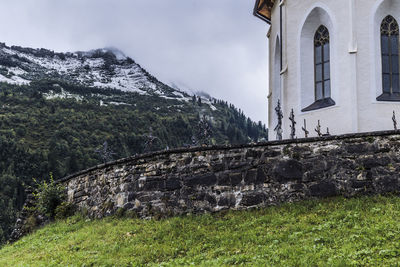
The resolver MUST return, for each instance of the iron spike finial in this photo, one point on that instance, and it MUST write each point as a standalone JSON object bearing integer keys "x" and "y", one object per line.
{"x": 278, "y": 128}
{"x": 293, "y": 126}
{"x": 304, "y": 128}
{"x": 318, "y": 129}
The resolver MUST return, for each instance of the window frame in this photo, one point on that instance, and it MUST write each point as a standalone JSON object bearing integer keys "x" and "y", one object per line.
{"x": 321, "y": 29}
{"x": 325, "y": 100}
{"x": 389, "y": 27}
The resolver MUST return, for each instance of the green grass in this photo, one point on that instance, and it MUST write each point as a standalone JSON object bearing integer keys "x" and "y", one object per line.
{"x": 333, "y": 232}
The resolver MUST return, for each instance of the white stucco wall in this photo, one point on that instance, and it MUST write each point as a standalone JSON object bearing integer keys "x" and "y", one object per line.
{"x": 374, "y": 115}
{"x": 355, "y": 65}
{"x": 275, "y": 89}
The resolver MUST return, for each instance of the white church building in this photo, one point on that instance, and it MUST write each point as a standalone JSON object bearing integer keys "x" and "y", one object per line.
{"x": 333, "y": 61}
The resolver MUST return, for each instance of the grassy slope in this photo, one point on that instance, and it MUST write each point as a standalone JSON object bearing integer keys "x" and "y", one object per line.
{"x": 336, "y": 232}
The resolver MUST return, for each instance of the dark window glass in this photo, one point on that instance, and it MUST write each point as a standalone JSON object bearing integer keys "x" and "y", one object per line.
{"x": 318, "y": 73}
{"x": 386, "y": 83}
{"x": 395, "y": 83}
{"x": 385, "y": 45}
{"x": 394, "y": 45}
{"x": 390, "y": 55}
{"x": 385, "y": 64}
{"x": 322, "y": 64}
{"x": 327, "y": 87}
{"x": 318, "y": 91}
{"x": 318, "y": 54}
{"x": 327, "y": 70}
{"x": 326, "y": 52}
{"x": 395, "y": 64}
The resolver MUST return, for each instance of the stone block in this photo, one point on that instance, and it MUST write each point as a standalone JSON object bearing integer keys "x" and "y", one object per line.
{"x": 202, "y": 180}
{"x": 235, "y": 178}
{"x": 373, "y": 161}
{"x": 270, "y": 153}
{"x": 154, "y": 185}
{"x": 129, "y": 206}
{"x": 252, "y": 153}
{"x": 387, "y": 184}
{"x": 288, "y": 170}
{"x": 224, "y": 179}
{"x": 173, "y": 184}
{"x": 210, "y": 199}
{"x": 252, "y": 199}
{"x": 297, "y": 187}
{"x": 323, "y": 189}
{"x": 261, "y": 176}
{"x": 218, "y": 167}
{"x": 237, "y": 165}
{"x": 79, "y": 194}
{"x": 251, "y": 176}
{"x": 227, "y": 200}
{"x": 361, "y": 148}
{"x": 121, "y": 199}
{"x": 131, "y": 196}
{"x": 357, "y": 184}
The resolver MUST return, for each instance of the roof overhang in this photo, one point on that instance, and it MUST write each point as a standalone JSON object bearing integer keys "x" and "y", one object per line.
{"x": 262, "y": 9}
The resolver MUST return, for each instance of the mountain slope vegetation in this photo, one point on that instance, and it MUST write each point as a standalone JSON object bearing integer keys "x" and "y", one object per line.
{"x": 54, "y": 119}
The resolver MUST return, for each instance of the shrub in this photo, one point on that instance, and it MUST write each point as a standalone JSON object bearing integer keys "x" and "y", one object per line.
{"x": 65, "y": 210}
{"x": 131, "y": 214}
{"x": 48, "y": 196}
{"x": 83, "y": 212}
{"x": 30, "y": 224}
{"x": 120, "y": 213}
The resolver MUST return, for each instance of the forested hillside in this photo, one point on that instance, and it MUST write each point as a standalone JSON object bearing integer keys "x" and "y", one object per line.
{"x": 55, "y": 127}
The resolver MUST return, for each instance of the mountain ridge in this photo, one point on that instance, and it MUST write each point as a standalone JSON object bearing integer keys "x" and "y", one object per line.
{"x": 103, "y": 68}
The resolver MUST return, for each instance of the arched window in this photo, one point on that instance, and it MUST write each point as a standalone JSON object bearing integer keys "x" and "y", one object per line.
{"x": 390, "y": 59}
{"x": 322, "y": 64}
{"x": 322, "y": 71}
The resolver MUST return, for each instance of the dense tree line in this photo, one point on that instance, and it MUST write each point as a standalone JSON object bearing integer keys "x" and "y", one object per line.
{"x": 41, "y": 133}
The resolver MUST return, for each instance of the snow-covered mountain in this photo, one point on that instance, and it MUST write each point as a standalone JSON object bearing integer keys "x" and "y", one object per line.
{"x": 103, "y": 68}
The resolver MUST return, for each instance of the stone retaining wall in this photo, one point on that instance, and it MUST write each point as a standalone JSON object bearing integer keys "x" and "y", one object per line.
{"x": 217, "y": 178}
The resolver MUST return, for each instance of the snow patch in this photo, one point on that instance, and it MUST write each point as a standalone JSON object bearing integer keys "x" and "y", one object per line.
{"x": 63, "y": 95}
{"x": 13, "y": 80}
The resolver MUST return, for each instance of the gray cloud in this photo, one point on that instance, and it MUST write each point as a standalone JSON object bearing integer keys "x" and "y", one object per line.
{"x": 215, "y": 46}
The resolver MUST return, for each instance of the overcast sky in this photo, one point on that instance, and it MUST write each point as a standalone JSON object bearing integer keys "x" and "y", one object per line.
{"x": 215, "y": 46}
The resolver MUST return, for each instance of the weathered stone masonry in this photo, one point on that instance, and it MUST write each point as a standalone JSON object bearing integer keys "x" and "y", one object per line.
{"x": 217, "y": 178}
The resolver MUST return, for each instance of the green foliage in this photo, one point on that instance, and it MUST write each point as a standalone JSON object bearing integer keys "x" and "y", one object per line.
{"x": 120, "y": 213}
{"x": 332, "y": 232}
{"x": 49, "y": 196}
{"x": 30, "y": 224}
{"x": 9, "y": 189}
{"x": 65, "y": 210}
{"x": 370, "y": 139}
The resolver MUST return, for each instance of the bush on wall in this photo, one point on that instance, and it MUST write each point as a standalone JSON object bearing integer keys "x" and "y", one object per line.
{"x": 48, "y": 196}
